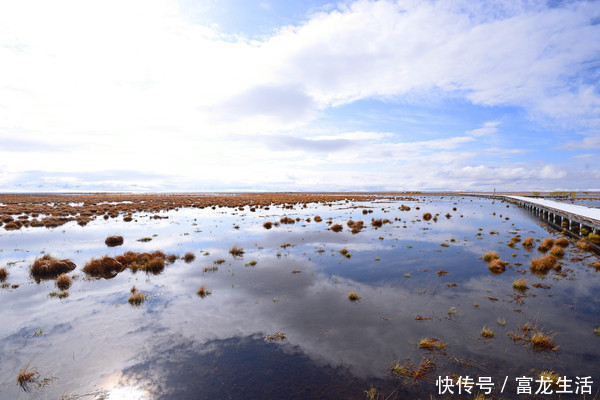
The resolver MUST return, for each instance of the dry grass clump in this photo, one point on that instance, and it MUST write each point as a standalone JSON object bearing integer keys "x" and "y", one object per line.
{"x": 136, "y": 298}
{"x": 592, "y": 237}
{"x": 189, "y": 257}
{"x": 427, "y": 216}
{"x": 26, "y": 377}
{"x": 520, "y": 284}
{"x": 236, "y": 251}
{"x": 377, "y": 223}
{"x": 274, "y": 337}
{"x": 541, "y": 341}
{"x": 13, "y": 225}
{"x": 497, "y": 266}
{"x": 48, "y": 267}
{"x": 562, "y": 242}
{"x": 432, "y": 344}
{"x": 546, "y": 245}
{"x": 353, "y": 296}
{"x": 106, "y": 267}
{"x": 557, "y": 251}
{"x": 286, "y": 220}
{"x": 545, "y": 263}
{"x": 490, "y": 255}
{"x": 3, "y": 274}
{"x": 64, "y": 281}
{"x": 268, "y": 225}
{"x": 404, "y": 208}
{"x": 113, "y": 241}
{"x": 171, "y": 258}
{"x": 527, "y": 242}
{"x": 318, "y": 219}
{"x": 203, "y": 292}
{"x": 583, "y": 244}
{"x": 336, "y": 228}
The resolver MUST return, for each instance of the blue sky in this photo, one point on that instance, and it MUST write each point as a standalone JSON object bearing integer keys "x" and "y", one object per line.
{"x": 166, "y": 95}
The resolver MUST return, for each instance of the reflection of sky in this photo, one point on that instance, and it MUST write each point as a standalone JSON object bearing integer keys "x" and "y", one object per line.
{"x": 93, "y": 339}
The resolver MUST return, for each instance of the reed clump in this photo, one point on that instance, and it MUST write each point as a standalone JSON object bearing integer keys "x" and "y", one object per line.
{"x": 64, "y": 282}
{"x": 432, "y": 344}
{"x": 48, "y": 267}
{"x": 497, "y": 266}
{"x": 26, "y": 377}
{"x": 113, "y": 241}
{"x": 520, "y": 284}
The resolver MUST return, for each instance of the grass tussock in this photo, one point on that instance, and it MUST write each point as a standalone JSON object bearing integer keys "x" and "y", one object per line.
{"x": 520, "y": 284}
{"x": 562, "y": 242}
{"x": 487, "y": 333}
{"x": 497, "y": 266}
{"x": 48, "y": 267}
{"x": 318, "y": 218}
{"x": 26, "y": 377}
{"x": 64, "y": 282}
{"x": 136, "y": 298}
{"x": 189, "y": 257}
{"x": 3, "y": 274}
{"x": 236, "y": 251}
{"x": 544, "y": 264}
{"x": 113, "y": 241}
{"x": 203, "y": 292}
{"x": 353, "y": 296}
{"x": 546, "y": 245}
{"x": 287, "y": 220}
{"x": 527, "y": 242}
{"x": 432, "y": 344}
{"x": 490, "y": 255}
{"x": 336, "y": 228}
{"x": 542, "y": 342}
{"x": 583, "y": 244}
{"x": 268, "y": 225}
{"x": 427, "y": 216}
{"x": 592, "y": 237}
{"x": 557, "y": 251}
{"x": 106, "y": 267}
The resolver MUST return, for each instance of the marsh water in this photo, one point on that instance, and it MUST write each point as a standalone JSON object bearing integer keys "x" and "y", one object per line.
{"x": 177, "y": 345}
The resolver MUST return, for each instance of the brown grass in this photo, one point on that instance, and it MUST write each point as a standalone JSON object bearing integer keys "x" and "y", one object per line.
{"x": 336, "y": 228}
{"x": 236, "y": 251}
{"x": 583, "y": 244}
{"x": 543, "y": 264}
{"x": 557, "y": 251}
{"x": 268, "y": 225}
{"x": 542, "y": 342}
{"x": 113, "y": 241}
{"x": 48, "y": 267}
{"x": 26, "y": 377}
{"x": 497, "y": 266}
{"x": 64, "y": 281}
{"x": 490, "y": 255}
{"x": 353, "y": 296}
{"x": 520, "y": 284}
{"x": 189, "y": 257}
{"x": 318, "y": 219}
{"x": 432, "y": 344}
{"x": 427, "y": 216}
{"x": 527, "y": 242}
{"x": 546, "y": 245}
{"x": 203, "y": 292}
{"x": 286, "y": 220}
{"x": 3, "y": 274}
{"x": 592, "y": 237}
{"x": 562, "y": 242}
{"x": 106, "y": 267}
{"x": 136, "y": 298}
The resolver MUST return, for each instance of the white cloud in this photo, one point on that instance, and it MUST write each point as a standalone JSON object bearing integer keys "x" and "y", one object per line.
{"x": 487, "y": 129}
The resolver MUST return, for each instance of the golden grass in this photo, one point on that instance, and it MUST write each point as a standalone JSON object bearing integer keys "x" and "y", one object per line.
{"x": 497, "y": 266}
{"x": 583, "y": 244}
{"x": 562, "y": 242}
{"x": 543, "y": 264}
{"x": 520, "y": 284}
{"x": 527, "y": 242}
{"x": 64, "y": 281}
{"x": 592, "y": 237}
{"x": 353, "y": 296}
{"x": 557, "y": 251}
{"x": 48, "y": 267}
{"x": 236, "y": 251}
{"x": 26, "y": 377}
{"x": 136, "y": 299}
{"x": 113, "y": 241}
{"x": 541, "y": 341}
{"x": 189, "y": 257}
{"x": 432, "y": 344}
{"x": 3, "y": 274}
{"x": 203, "y": 292}
{"x": 546, "y": 245}
{"x": 487, "y": 333}
{"x": 490, "y": 255}
{"x": 106, "y": 267}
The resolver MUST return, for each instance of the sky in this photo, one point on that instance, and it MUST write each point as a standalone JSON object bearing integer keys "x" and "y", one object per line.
{"x": 284, "y": 95}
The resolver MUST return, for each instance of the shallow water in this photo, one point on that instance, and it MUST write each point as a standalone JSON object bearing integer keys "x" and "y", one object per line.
{"x": 179, "y": 345}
